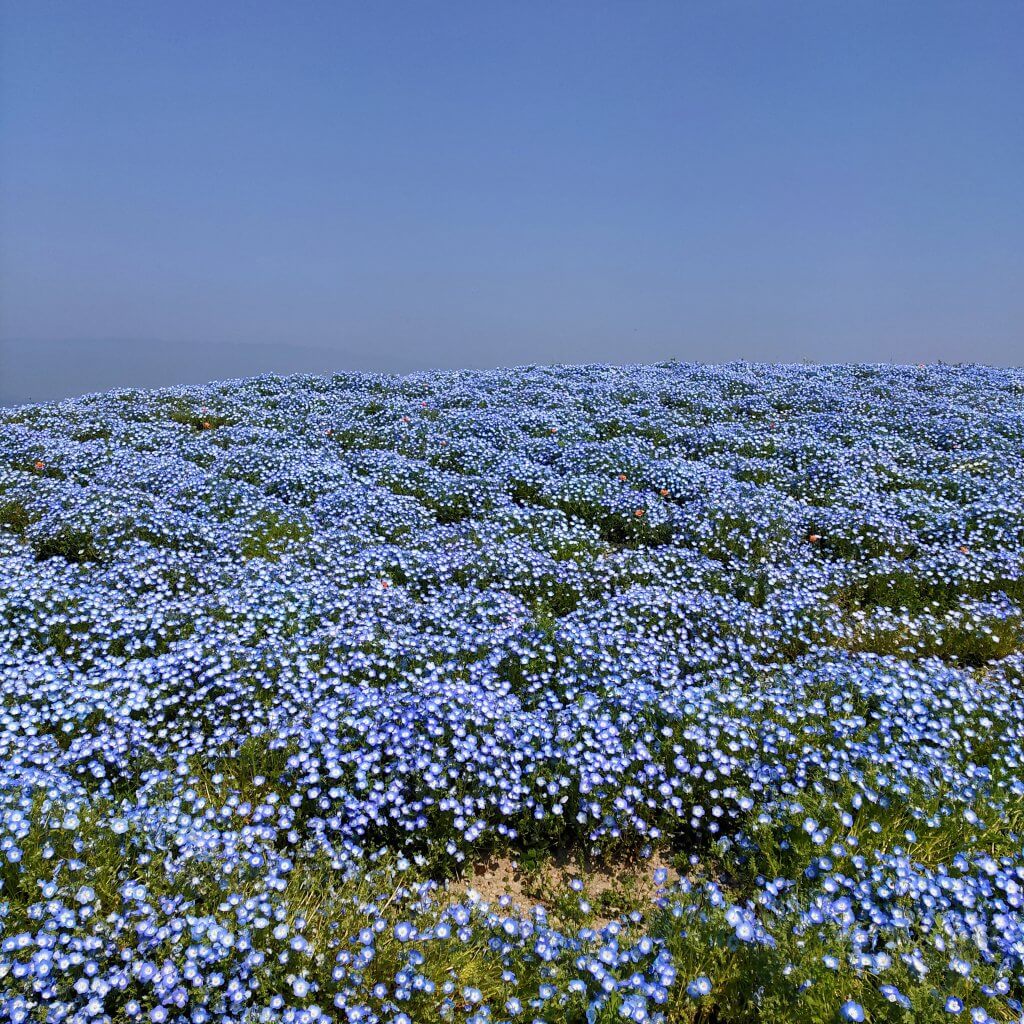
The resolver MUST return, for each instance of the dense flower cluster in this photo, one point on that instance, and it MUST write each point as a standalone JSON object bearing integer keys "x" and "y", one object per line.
{"x": 276, "y": 652}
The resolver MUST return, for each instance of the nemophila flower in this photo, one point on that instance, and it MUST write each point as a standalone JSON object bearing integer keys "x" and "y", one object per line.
{"x": 699, "y": 987}
{"x": 315, "y": 636}
{"x": 852, "y": 1010}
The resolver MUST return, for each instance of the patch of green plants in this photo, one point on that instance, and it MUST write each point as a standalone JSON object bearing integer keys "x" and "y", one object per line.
{"x": 14, "y": 515}
{"x": 270, "y": 535}
{"x": 72, "y": 544}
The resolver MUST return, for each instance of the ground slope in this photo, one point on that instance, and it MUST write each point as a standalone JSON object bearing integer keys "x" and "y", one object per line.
{"x": 279, "y": 656}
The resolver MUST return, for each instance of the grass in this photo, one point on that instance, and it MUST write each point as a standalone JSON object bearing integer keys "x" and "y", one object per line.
{"x": 14, "y": 515}
{"x": 74, "y": 545}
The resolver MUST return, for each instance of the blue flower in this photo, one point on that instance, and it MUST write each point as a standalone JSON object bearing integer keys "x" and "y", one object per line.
{"x": 699, "y": 987}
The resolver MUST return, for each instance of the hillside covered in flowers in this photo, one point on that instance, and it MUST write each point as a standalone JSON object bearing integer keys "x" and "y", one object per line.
{"x": 285, "y": 661}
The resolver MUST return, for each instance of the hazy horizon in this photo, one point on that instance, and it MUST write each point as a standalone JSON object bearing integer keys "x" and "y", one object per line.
{"x": 40, "y": 372}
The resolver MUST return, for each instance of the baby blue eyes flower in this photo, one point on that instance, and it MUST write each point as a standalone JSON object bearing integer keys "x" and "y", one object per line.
{"x": 372, "y": 621}
{"x": 699, "y": 987}
{"x": 852, "y": 1011}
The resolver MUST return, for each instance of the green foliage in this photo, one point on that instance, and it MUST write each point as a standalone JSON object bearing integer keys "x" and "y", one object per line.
{"x": 198, "y": 419}
{"x": 73, "y": 544}
{"x": 270, "y": 535}
{"x": 14, "y": 515}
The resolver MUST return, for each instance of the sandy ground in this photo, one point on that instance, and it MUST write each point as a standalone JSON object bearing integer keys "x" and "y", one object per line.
{"x": 614, "y": 886}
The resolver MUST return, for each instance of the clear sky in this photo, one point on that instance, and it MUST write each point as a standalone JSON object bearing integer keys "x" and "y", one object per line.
{"x": 403, "y": 185}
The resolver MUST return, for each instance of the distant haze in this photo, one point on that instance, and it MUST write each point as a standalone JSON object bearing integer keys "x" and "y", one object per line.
{"x": 192, "y": 191}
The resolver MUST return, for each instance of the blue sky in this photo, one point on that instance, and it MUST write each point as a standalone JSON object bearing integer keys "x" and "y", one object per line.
{"x": 394, "y": 186}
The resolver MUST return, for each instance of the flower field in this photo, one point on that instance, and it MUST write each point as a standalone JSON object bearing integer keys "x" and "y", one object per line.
{"x": 287, "y": 663}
